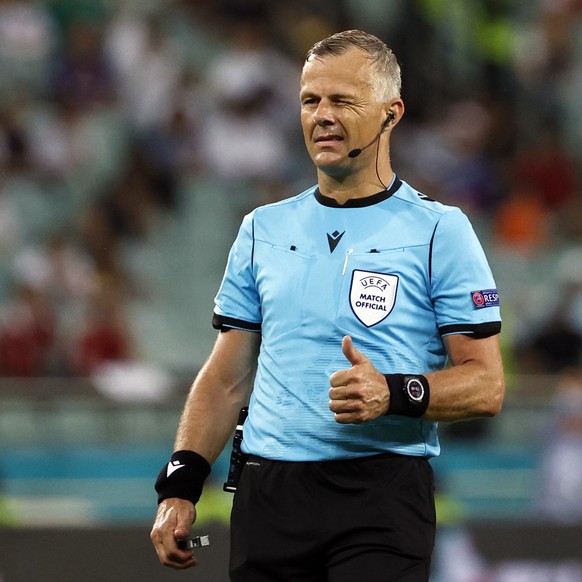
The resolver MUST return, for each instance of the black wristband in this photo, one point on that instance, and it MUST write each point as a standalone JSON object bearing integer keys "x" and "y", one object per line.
{"x": 409, "y": 394}
{"x": 183, "y": 477}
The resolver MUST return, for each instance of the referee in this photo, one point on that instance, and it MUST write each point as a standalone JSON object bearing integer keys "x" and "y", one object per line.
{"x": 353, "y": 317}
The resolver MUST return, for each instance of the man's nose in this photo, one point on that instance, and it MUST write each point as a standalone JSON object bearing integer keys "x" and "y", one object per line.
{"x": 324, "y": 115}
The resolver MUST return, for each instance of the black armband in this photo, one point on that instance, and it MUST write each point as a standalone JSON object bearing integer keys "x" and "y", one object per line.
{"x": 409, "y": 394}
{"x": 183, "y": 477}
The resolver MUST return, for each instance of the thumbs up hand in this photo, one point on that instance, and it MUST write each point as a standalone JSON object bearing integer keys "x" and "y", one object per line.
{"x": 360, "y": 393}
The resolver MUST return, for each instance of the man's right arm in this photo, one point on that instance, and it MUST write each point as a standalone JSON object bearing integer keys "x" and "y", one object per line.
{"x": 220, "y": 390}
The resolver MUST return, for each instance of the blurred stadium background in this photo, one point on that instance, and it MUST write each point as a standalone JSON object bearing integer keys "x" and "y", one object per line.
{"x": 135, "y": 134}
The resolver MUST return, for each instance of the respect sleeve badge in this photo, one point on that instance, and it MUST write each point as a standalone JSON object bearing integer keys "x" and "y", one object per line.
{"x": 485, "y": 298}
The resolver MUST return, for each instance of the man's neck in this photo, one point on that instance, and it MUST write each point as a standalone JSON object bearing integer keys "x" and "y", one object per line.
{"x": 348, "y": 189}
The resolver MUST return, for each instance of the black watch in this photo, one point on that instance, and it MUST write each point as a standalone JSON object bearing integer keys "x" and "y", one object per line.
{"x": 409, "y": 394}
{"x": 414, "y": 391}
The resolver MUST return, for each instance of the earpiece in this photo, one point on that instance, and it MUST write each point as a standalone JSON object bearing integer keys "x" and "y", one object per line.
{"x": 356, "y": 152}
{"x": 389, "y": 119}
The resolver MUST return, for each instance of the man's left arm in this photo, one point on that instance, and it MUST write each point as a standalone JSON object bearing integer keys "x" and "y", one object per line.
{"x": 473, "y": 386}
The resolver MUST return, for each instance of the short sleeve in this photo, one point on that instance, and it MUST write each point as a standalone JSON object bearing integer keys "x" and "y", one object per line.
{"x": 463, "y": 289}
{"x": 237, "y": 303}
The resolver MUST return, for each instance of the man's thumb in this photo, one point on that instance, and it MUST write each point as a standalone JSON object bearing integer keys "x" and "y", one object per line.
{"x": 184, "y": 523}
{"x": 351, "y": 353}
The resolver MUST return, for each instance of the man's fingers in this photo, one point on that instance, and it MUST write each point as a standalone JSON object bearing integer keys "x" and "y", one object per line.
{"x": 171, "y": 555}
{"x": 346, "y": 411}
{"x": 344, "y": 400}
{"x": 173, "y": 521}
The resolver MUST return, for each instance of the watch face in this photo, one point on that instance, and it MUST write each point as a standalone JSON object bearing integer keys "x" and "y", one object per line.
{"x": 414, "y": 389}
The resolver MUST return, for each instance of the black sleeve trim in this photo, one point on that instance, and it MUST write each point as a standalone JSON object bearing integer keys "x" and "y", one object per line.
{"x": 225, "y": 323}
{"x": 430, "y": 253}
{"x": 253, "y": 244}
{"x": 476, "y": 330}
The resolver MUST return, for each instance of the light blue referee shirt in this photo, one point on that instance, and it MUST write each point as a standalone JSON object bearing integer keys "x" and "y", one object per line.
{"x": 396, "y": 271}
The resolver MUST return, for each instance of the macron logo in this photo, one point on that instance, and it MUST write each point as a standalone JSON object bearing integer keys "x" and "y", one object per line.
{"x": 333, "y": 239}
{"x": 173, "y": 466}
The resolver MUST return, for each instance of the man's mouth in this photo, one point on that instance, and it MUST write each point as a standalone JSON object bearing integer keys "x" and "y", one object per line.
{"x": 328, "y": 138}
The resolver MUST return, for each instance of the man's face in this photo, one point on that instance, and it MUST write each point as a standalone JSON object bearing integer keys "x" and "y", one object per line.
{"x": 339, "y": 110}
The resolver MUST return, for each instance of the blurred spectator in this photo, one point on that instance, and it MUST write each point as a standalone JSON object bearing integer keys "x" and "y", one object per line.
{"x": 61, "y": 141}
{"x": 474, "y": 42}
{"x": 13, "y": 160}
{"x": 471, "y": 181}
{"x": 549, "y": 69}
{"x": 170, "y": 153}
{"x": 423, "y": 156}
{"x": 104, "y": 336}
{"x": 544, "y": 53}
{"x": 449, "y": 156}
{"x": 561, "y": 470}
{"x": 546, "y": 44}
{"x": 77, "y": 149}
{"x": 457, "y": 558}
{"x": 82, "y": 75}
{"x": 568, "y": 281}
{"x": 14, "y": 141}
{"x": 253, "y": 91}
{"x": 147, "y": 67}
{"x": 67, "y": 13}
{"x": 548, "y": 167}
{"x": 27, "y": 331}
{"x": 60, "y": 269}
{"x": 553, "y": 349}
{"x": 521, "y": 223}
{"x": 10, "y": 228}
{"x": 27, "y": 40}
{"x": 124, "y": 212}
{"x": 26, "y": 205}
{"x": 557, "y": 346}
{"x": 569, "y": 217}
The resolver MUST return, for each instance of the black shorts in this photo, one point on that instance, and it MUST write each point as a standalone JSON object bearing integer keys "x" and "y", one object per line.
{"x": 366, "y": 520}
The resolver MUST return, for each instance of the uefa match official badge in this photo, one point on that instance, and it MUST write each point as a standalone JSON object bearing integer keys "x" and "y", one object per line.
{"x": 372, "y": 296}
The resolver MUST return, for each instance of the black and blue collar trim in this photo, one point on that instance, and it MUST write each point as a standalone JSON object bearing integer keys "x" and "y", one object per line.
{"x": 360, "y": 202}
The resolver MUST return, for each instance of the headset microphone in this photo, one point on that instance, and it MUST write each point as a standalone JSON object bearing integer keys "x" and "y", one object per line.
{"x": 356, "y": 152}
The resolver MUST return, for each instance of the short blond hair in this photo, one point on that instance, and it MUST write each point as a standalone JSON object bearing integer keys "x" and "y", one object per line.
{"x": 385, "y": 71}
